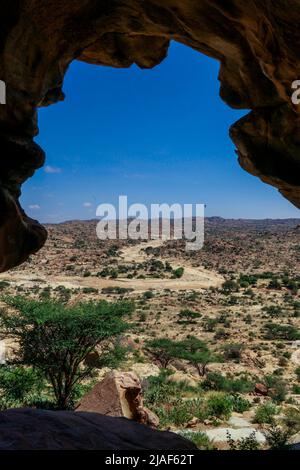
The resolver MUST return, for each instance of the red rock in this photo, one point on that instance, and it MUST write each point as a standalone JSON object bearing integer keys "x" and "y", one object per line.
{"x": 261, "y": 389}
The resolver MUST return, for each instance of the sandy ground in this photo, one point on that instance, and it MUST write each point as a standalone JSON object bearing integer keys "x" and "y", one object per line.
{"x": 194, "y": 278}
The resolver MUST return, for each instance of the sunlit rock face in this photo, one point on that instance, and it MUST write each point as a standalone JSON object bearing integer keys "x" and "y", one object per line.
{"x": 256, "y": 43}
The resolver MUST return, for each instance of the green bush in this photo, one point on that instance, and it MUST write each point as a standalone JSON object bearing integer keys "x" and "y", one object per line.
{"x": 219, "y": 405}
{"x": 178, "y": 412}
{"x": 4, "y": 285}
{"x": 292, "y": 419}
{"x": 177, "y": 273}
{"x": 240, "y": 404}
{"x": 277, "y": 388}
{"x": 89, "y": 290}
{"x": 284, "y": 332}
{"x": 265, "y": 414}
{"x": 209, "y": 324}
{"x": 161, "y": 390}
{"x": 277, "y": 438}
{"x": 200, "y": 439}
{"x": 273, "y": 310}
{"x": 229, "y": 286}
{"x": 246, "y": 443}
{"x": 19, "y": 385}
{"x": 148, "y": 295}
{"x": 218, "y": 382}
{"x": 189, "y": 315}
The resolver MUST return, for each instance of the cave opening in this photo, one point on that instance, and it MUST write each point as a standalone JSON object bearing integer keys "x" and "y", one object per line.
{"x": 156, "y": 135}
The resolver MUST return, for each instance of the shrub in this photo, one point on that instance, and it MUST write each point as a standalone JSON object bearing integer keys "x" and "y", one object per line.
{"x": 240, "y": 404}
{"x": 218, "y": 382}
{"x": 247, "y": 279}
{"x": 296, "y": 389}
{"x": 229, "y": 286}
{"x": 246, "y": 443}
{"x": 277, "y": 438}
{"x": 221, "y": 334}
{"x": 148, "y": 295}
{"x": 116, "y": 290}
{"x": 4, "y": 285}
{"x": 273, "y": 310}
{"x": 200, "y": 439}
{"x": 18, "y": 385}
{"x": 283, "y": 332}
{"x": 189, "y": 315}
{"x": 274, "y": 284}
{"x": 177, "y": 273}
{"x": 89, "y": 290}
{"x": 233, "y": 351}
{"x": 209, "y": 324}
{"x": 179, "y": 412}
{"x": 219, "y": 405}
{"x": 292, "y": 419}
{"x": 160, "y": 390}
{"x": 277, "y": 388}
{"x": 265, "y": 414}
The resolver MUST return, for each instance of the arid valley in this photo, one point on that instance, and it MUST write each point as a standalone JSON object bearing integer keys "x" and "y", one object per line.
{"x": 232, "y": 309}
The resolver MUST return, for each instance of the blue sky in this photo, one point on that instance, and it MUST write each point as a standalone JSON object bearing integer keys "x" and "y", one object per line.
{"x": 157, "y": 136}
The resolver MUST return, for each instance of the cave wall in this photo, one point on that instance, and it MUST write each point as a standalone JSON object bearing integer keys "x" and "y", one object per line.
{"x": 256, "y": 43}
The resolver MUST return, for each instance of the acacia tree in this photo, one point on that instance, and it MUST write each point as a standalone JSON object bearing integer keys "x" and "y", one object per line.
{"x": 197, "y": 353}
{"x": 163, "y": 350}
{"x": 56, "y": 339}
{"x": 189, "y": 315}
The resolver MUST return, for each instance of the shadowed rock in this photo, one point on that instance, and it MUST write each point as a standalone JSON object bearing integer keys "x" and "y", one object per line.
{"x": 256, "y": 43}
{"x": 66, "y": 430}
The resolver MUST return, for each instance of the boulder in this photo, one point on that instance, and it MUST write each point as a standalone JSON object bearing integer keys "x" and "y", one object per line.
{"x": 261, "y": 389}
{"x": 30, "y": 429}
{"x": 119, "y": 394}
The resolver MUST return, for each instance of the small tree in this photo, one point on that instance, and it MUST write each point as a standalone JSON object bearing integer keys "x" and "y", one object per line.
{"x": 189, "y": 315}
{"x": 163, "y": 350}
{"x": 56, "y": 339}
{"x": 196, "y": 353}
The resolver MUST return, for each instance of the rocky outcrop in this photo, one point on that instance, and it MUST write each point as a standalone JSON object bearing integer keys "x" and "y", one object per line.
{"x": 256, "y": 43}
{"x": 119, "y": 394}
{"x": 28, "y": 429}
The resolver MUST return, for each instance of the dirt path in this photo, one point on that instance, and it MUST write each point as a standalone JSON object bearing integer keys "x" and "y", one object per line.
{"x": 194, "y": 278}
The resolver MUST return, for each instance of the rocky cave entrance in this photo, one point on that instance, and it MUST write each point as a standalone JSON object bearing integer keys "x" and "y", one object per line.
{"x": 136, "y": 128}
{"x": 255, "y": 45}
